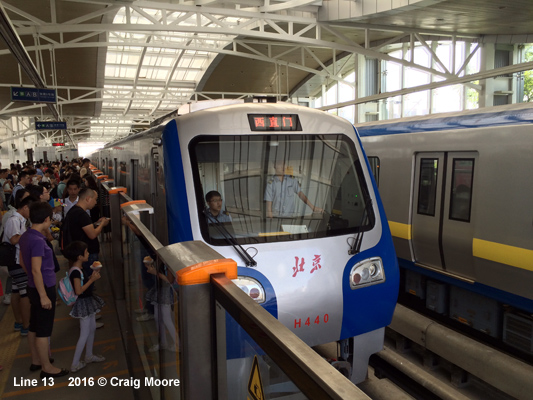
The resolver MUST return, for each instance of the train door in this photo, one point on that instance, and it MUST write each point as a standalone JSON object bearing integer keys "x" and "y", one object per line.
{"x": 442, "y": 227}
{"x": 427, "y": 205}
{"x": 458, "y": 224}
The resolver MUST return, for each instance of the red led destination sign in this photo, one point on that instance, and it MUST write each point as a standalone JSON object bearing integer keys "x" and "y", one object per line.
{"x": 58, "y": 144}
{"x": 274, "y": 122}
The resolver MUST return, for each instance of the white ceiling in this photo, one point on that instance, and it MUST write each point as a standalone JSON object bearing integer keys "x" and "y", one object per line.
{"x": 119, "y": 65}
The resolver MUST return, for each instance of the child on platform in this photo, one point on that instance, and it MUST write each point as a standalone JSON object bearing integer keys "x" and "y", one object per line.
{"x": 86, "y": 305}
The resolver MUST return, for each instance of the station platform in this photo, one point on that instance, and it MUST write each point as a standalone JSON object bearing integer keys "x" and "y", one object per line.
{"x": 18, "y": 382}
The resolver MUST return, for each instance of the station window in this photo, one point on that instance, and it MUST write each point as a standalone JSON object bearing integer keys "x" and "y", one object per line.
{"x": 427, "y": 190}
{"x": 461, "y": 194}
{"x": 374, "y": 166}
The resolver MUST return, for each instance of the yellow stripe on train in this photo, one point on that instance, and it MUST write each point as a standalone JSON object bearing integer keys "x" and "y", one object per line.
{"x": 502, "y": 253}
{"x": 497, "y": 252}
{"x": 402, "y": 231}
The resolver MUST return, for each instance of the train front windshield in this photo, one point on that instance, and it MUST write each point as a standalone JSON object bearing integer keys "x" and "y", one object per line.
{"x": 267, "y": 188}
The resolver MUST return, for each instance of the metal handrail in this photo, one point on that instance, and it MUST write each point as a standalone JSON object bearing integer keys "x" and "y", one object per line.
{"x": 313, "y": 375}
{"x": 150, "y": 238}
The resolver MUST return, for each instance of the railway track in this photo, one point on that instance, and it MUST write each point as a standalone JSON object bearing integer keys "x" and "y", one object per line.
{"x": 414, "y": 365}
{"x": 455, "y": 367}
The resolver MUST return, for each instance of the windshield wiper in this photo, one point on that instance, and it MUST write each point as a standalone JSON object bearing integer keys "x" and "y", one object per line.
{"x": 247, "y": 258}
{"x": 355, "y": 248}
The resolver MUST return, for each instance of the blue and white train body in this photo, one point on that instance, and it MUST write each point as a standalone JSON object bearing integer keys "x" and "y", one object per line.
{"x": 327, "y": 270}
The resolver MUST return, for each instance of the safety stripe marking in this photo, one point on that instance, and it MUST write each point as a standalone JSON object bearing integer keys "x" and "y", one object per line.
{"x": 504, "y": 254}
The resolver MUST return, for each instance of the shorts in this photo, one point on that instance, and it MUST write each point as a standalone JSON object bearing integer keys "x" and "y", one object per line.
{"x": 19, "y": 280}
{"x": 41, "y": 320}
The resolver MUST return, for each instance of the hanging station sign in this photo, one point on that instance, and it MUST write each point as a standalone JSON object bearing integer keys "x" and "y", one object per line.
{"x": 50, "y": 125}
{"x": 34, "y": 95}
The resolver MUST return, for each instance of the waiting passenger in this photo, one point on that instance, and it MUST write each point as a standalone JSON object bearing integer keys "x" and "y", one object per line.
{"x": 86, "y": 306}
{"x": 214, "y": 211}
{"x": 81, "y": 227}
{"x": 84, "y": 167}
{"x": 21, "y": 194}
{"x": 72, "y": 189}
{"x": 63, "y": 178}
{"x": 280, "y": 193}
{"x": 3, "y": 176}
{"x": 90, "y": 182}
{"x": 37, "y": 260}
{"x": 14, "y": 228}
{"x": 7, "y": 187}
{"x": 24, "y": 179}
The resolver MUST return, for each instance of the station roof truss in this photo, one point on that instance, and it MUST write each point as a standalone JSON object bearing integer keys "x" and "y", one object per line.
{"x": 117, "y": 66}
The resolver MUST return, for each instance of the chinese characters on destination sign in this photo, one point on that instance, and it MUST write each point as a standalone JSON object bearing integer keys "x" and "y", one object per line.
{"x": 274, "y": 122}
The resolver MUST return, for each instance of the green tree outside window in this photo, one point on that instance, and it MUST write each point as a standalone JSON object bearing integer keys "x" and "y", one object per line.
{"x": 528, "y": 76}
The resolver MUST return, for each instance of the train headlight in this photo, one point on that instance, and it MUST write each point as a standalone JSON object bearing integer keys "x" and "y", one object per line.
{"x": 366, "y": 273}
{"x": 251, "y": 287}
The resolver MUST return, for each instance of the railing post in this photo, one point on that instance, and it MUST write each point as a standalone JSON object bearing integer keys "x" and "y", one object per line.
{"x": 197, "y": 314}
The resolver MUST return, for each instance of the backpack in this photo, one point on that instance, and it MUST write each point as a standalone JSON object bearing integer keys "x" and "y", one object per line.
{"x": 65, "y": 237}
{"x": 65, "y": 289}
{"x": 53, "y": 193}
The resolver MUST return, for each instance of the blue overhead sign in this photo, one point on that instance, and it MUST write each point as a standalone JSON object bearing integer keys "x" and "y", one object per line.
{"x": 50, "y": 125}
{"x": 34, "y": 95}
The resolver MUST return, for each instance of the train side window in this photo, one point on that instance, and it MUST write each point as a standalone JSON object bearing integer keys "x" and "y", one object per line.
{"x": 461, "y": 193}
{"x": 374, "y": 166}
{"x": 427, "y": 189}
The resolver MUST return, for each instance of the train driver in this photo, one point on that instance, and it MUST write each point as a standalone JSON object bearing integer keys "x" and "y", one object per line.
{"x": 214, "y": 208}
{"x": 280, "y": 194}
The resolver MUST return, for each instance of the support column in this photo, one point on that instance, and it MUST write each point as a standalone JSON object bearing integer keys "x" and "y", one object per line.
{"x": 486, "y": 96}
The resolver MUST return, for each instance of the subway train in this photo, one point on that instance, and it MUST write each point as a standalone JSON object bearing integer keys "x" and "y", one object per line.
{"x": 457, "y": 189}
{"x": 300, "y": 213}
